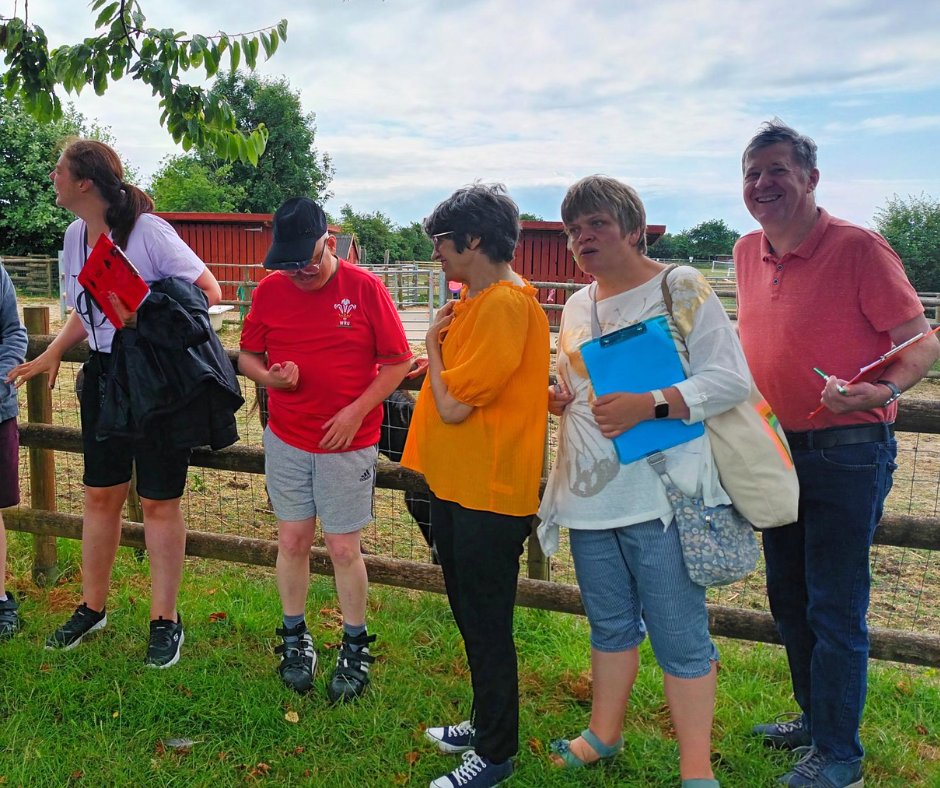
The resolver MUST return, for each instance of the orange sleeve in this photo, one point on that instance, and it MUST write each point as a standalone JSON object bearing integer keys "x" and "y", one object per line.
{"x": 496, "y": 340}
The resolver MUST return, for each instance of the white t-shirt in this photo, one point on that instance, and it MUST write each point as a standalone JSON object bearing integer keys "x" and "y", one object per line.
{"x": 588, "y": 487}
{"x": 155, "y": 250}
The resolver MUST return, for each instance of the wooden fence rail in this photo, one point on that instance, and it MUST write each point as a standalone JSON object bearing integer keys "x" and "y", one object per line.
{"x": 724, "y": 621}
{"x": 34, "y": 274}
{"x": 43, "y": 438}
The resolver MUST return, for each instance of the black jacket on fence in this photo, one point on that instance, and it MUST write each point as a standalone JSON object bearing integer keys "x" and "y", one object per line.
{"x": 171, "y": 374}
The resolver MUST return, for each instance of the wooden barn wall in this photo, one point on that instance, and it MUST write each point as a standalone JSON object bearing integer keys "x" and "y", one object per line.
{"x": 225, "y": 242}
{"x": 542, "y": 256}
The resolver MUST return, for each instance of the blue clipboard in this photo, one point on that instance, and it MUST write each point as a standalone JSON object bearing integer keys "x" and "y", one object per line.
{"x": 637, "y": 359}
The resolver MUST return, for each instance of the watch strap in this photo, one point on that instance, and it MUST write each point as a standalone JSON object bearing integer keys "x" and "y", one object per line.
{"x": 895, "y": 391}
{"x": 660, "y": 404}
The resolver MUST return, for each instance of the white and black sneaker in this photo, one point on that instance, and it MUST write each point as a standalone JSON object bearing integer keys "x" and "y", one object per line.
{"x": 166, "y": 637}
{"x": 351, "y": 674}
{"x": 452, "y": 739}
{"x": 9, "y": 617}
{"x": 83, "y": 622}
{"x": 298, "y": 657}
{"x": 475, "y": 771}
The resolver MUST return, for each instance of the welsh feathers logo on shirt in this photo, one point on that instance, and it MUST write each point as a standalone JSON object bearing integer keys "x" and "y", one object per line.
{"x": 345, "y": 309}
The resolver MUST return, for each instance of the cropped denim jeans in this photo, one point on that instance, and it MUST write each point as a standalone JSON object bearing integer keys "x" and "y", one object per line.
{"x": 818, "y": 582}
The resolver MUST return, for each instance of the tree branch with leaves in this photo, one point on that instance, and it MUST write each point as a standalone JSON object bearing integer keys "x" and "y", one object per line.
{"x": 125, "y": 46}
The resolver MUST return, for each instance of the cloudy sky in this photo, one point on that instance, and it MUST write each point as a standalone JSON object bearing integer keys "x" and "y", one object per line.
{"x": 415, "y": 97}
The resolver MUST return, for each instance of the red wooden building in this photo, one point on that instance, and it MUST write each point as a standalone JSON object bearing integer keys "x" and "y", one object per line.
{"x": 543, "y": 256}
{"x": 233, "y": 245}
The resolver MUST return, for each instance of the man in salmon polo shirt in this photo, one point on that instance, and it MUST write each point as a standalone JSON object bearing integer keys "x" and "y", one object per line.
{"x": 325, "y": 339}
{"x": 817, "y": 291}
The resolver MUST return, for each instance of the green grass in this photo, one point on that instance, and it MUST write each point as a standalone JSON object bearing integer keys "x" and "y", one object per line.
{"x": 96, "y": 716}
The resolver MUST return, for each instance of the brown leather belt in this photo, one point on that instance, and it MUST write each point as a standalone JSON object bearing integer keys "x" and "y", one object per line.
{"x": 840, "y": 436}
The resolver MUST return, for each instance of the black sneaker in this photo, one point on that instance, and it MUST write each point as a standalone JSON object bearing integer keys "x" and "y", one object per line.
{"x": 166, "y": 637}
{"x": 787, "y": 732}
{"x": 815, "y": 770}
{"x": 298, "y": 657}
{"x": 9, "y": 616}
{"x": 351, "y": 674}
{"x": 83, "y": 622}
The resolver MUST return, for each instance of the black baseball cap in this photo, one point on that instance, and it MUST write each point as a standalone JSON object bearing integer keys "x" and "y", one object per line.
{"x": 298, "y": 224}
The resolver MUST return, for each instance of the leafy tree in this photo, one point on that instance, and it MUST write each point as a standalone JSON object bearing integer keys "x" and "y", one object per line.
{"x": 415, "y": 244}
{"x": 290, "y": 166}
{"x": 670, "y": 247}
{"x": 912, "y": 227}
{"x": 183, "y": 183}
{"x": 124, "y": 46}
{"x": 711, "y": 238}
{"x": 525, "y": 216}
{"x": 375, "y": 231}
{"x": 704, "y": 241}
{"x": 30, "y": 221}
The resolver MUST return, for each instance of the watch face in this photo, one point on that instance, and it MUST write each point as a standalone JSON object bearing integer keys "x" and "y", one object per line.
{"x": 661, "y": 411}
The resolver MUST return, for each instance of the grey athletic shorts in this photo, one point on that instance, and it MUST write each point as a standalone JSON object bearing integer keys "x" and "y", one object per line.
{"x": 335, "y": 488}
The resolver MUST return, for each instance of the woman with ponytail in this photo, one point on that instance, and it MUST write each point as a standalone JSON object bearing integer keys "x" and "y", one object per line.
{"x": 89, "y": 182}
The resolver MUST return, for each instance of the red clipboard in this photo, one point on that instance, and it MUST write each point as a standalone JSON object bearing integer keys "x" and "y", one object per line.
{"x": 870, "y": 372}
{"x": 107, "y": 270}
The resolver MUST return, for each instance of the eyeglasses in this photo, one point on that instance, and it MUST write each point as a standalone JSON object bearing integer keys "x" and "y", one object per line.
{"x": 311, "y": 269}
{"x": 438, "y": 237}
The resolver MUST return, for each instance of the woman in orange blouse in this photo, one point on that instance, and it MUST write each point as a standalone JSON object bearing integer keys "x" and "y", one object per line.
{"x": 477, "y": 436}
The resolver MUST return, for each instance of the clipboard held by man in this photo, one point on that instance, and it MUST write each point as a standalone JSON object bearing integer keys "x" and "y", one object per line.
{"x": 870, "y": 372}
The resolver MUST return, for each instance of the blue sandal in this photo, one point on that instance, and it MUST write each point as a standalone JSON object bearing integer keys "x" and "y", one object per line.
{"x": 562, "y": 748}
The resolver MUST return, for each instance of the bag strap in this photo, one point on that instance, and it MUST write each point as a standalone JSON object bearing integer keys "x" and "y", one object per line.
{"x": 657, "y": 461}
{"x": 595, "y": 320}
{"x": 667, "y": 293}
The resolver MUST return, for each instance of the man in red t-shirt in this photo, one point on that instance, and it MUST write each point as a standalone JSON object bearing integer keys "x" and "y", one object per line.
{"x": 816, "y": 291}
{"x": 325, "y": 339}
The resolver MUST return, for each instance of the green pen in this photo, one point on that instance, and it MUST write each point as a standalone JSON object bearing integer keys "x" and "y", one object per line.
{"x": 824, "y": 376}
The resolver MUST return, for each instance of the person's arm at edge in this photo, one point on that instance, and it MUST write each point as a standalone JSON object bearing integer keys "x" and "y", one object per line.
{"x": 13, "y": 339}
{"x": 911, "y": 366}
{"x": 210, "y": 286}
{"x": 916, "y": 361}
{"x": 342, "y": 427}
{"x": 50, "y": 359}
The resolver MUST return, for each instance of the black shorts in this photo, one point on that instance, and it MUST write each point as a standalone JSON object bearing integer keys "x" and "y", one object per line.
{"x": 161, "y": 469}
{"x": 9, "y": 464}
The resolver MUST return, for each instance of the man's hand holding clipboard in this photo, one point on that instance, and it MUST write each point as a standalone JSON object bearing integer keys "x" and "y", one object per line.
{"x": 839, "y": 393}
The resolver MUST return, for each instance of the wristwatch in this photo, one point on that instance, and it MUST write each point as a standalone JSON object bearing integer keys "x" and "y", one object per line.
{"x": 660, "y": 406}
{"x": 895, "y": 391}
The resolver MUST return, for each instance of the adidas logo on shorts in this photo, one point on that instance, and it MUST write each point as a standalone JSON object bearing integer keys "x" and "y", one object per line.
{"x": 365, "y": 476}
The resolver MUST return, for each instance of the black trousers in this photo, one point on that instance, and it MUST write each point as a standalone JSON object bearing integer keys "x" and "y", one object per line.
{"x": 479, "y": 554}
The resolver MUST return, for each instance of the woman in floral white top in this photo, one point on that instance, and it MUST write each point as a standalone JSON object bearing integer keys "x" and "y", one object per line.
{"x": 626, "y": 551}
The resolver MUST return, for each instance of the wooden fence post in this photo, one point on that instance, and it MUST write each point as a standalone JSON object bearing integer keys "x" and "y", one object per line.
{"x": 539, "y": 566}
{"x": 135, "y": 510}
{"x": 41, "y": 461}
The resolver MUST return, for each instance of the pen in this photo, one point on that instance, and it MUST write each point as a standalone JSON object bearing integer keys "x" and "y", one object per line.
{"x": 824, "y": 376}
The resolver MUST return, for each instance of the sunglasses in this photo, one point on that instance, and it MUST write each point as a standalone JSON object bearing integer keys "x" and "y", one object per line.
{"x": 311, "y": 269}
{"x": 438, "y": 237}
